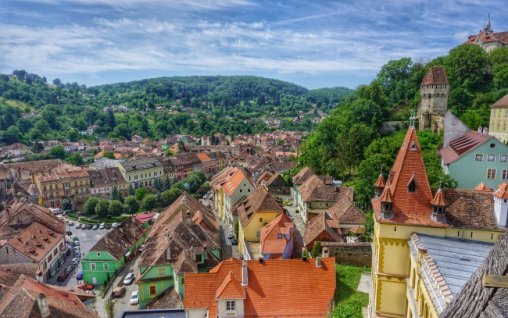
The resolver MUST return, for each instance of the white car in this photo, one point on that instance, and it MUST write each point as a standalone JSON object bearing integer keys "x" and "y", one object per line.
{"x": 115, "y": 225}
{"x": 75, "y": 261}
{"x": 128, "y": 279}
{"x": 101, "y": 227}
{"x": 134, "y": 298}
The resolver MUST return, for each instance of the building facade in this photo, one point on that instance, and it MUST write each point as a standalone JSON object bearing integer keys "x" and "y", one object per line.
{"x": 434, "y": 99}
{"x": 498, "y": 126}
{"x": 141, "y": 172}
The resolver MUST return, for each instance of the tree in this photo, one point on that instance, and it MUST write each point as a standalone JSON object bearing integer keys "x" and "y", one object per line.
{"x": 116, "y": 208}
{"x": 58, "y": 83}
{"x": 116, "y": 195}
{"x": 102, "y": 208}
{"x": 109, "y": 154}
{"x": 149, "y": 202}
{"x": 90, "y": 204}
{"x": 132, "y": 204}
{"x": 468, "y": 67}
{"x": 132, "y": 191}
{"x": 11, "y": 135}
{"x": 57, "y": 152}
{"x": 73, "y": 134}
{"x": 169, "y": 153}
{"x": 75, "y": 159}
{"x": 316, "y": 249}
{"x": 141, "y": 193}
{"x": 67, "y": 204}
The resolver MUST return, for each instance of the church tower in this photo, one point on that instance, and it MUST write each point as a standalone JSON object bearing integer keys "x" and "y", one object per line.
{"x": 434, "y": 100}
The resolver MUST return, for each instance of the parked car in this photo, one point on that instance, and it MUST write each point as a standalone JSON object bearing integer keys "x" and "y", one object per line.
{"x": 142, "y": 248}
{"x": 76, "y": 243}
{"x": 89, "y": 226}
{"x": 101, "y": 227}
{"x": 115, "y": 225}
{"x": 134, "y": 298}
{"x": 71, "y": 223}
{"x": 75, "y": 261}
{"x": 108, "y": 226}
{"x": 234, "y": 241}
{"x": 118, "y": 292}
{"x": 69, "y": 268}
{"x": 95, "y": 227}
{"x": 62, "y": 277}
{"x": 78, "y": 225}
{"x": 85, "y": 286}
{"x": 129, "y": 278}
{"x": 56, "y": 211}
{"x": 68, "y": 251}
{"x": 68, "y": 232}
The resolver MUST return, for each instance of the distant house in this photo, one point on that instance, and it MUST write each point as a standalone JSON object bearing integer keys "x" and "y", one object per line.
{"x": 321, "y": 228}
{"x": 277, "y": 238}
{"x": 228, "y": 187}
{"x": 472, "y": 157}
{"x": 254, "y": 212}
{"x": 185, "y": 239}
{"x": 266, "y": 288}
{"x": 277, "y": 186}
{"x": 498, "y": 126}
{"x": 103, "y": 181}
{"x": 16, "y": 150}
{"x": 141, "y": 172}
{"x": 185, "y": 163}
{"x": 487, "y": 39}
{"x": 107, "y": 257}
{"x": 316, "y": 195}
{"x": 298, "y": 180}
{"x": 167, "y": 168}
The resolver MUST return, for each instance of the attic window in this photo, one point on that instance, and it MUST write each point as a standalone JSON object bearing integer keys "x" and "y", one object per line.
{"x": 188, "y": 213}
{"x": 413, "y": 146}
{"x": 279, "y": 236}
{"x": 411, "y": 187}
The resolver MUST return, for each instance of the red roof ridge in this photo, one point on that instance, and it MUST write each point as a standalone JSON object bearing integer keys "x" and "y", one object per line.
{"x": 230, "y": 288}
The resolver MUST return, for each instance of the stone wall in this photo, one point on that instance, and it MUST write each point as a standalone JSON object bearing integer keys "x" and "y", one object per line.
{"x": 357, "y": 254}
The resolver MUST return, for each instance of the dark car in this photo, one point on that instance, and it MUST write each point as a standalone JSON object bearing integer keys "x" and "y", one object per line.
{"x": 234, "y": 241}
{"x": 108, "y": 226}
{"x": 68, "y": 251}
{"x": 62, "y": 277}
{"x": 69, "y": 268}
{"x": 68, "y": 232}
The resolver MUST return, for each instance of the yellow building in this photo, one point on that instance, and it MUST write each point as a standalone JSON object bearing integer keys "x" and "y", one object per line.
{"x": 407, "y": 206}
{"x": 141, "y": 172}
{"x": 498, "y": 126}
{"x": 254, "y": 212}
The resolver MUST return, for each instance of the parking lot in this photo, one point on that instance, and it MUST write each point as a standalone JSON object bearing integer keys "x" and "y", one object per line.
{"x": 87, "y": 239}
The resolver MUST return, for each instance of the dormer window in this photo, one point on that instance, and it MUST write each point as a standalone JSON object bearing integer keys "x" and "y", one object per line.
{"x": 411, "y": 187}
{"x": 413, "y": 146}
{"x": 386, "y": 210}
{"x": 230, "y": 305}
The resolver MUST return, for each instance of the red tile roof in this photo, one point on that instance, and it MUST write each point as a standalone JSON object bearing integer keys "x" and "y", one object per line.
{"x": 302, "y": 176}
{"x": 380, "y": 182}
{"x": 258, "y": 202}
{"x": 144, "y": 217}
{"x": 36, "y": 241}
{"x": 230, "y": 288}
{"x": 462, "y": 145}
{"x": 503, "y": 102}
{"x": 276, "y": 288}
{"x": 276, "y": 235}
{"x": 482, "y": 187}
{"x": 502, "y": 191}
{"x": 486, "y": 37}
{"x": 436, "y": 75}
{"x": 321, "y": 228}
{"x": 408, "y": 207}
{"x": 439, "y": 199}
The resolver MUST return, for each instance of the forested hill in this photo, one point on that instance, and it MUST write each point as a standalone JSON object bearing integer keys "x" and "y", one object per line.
{"x": 32, "y": 109}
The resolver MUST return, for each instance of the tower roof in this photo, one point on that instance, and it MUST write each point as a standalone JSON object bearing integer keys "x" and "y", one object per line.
{"x": 386, "y": 196}
{"x": 380, "y": 182}
{"x": 439, "y": 199}
{"x": 502, "y": 191}
{"x": 436, "y": 75}
{"x": 408, "y": 187}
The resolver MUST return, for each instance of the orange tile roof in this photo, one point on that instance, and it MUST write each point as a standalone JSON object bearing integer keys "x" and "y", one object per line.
{"x": 482, "y": 187}
{"x": 258, "y": 202}
{"x": 234, "y": 182}
{"x": 276, "y": 288}
{"x": 36, "y": 241}
{"x": 502, "y": 191}
{"x": 203, "y": 156}
{"x": 230, "y": 288}
{"x": 439, "y": 199}
{"x": 408, "y": 207}
{"x": 269, "y": 236}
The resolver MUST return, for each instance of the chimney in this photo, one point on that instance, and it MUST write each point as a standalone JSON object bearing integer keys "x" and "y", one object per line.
{"x": 318, "y": 262}
{"x": 261, "y": 260}
{"x": 42, "y": 302}
{"x": 245, "y": 274}
{"x": 326, "y": 252}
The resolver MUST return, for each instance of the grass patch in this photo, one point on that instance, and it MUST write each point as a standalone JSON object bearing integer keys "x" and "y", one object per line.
{"x": 348, "y": 301}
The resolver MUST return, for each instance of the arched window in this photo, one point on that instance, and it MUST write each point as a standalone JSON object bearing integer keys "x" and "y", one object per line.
{"x": 411, "y": 187}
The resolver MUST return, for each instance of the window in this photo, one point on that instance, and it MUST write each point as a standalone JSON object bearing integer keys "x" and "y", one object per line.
{"x": 279, "y": 236}
{"x": 491, "y": 157}
{"x": 230, "y": 305}
{"x": 98, "y": 253}
{"x": 162, "y": 271}
{"x": 55, "y": 251}
{"x": 92, "y": 266}
{"x": 491, "y": 174}
{"x": 478, "y": 157}
{"x": 105, "y": 266}
{"x": 260, "y": 220}
{"x": 411, "y": 187}
{"x": 503, "y": 158}
{"x": 153, "y": 290}
{"x": 505, "y": 174}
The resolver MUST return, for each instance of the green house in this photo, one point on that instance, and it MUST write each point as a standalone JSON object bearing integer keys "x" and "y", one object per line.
{"x": 474, "y": 158}
{"x": 110, "y": 253}
{"x": 185, "y": 239}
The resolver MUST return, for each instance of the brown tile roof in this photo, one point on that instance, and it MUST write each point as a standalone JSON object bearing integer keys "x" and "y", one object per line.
{"x": 9, "y": 273}
{"x": 63, "y": 171}
{"x": 36, "y": 166}
{"x": 105, "y": 177}
{"x": 436, "y": 75}
{"x": 177, "y": 236}
{"x": 265, "y": 176}
{"x": 477, "y": 301}
{"x": 275, "y": 236}
{"x": 168, "y": 299}
{"x": 408, "y": 207}
{"x": 321, "y": 228}
{"x": 286, "y": 283}
{"x": 318, "y": 189}
{"x": 36, "y": 241}
{"x": 229, "y": 179}
{"x": 259, "y": 201}
{"x": 482, "y": 187}
{"x": 20, "y": 301}
{"x": 501, "y": 103}
{"x": 119, "y": 240}
{"x": 302, "y": 176}
{"x": 346, "y": 212}
{"x": 203, "y": 157}
{"x": 485, "y": 37}
{"x": 470, "y": 209}
{"x": 185, "y": 158}
{"x": 462, "y": 145}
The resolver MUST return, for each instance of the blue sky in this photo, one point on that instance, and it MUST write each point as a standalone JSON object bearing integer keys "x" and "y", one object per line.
{"x": 311, "y": 43}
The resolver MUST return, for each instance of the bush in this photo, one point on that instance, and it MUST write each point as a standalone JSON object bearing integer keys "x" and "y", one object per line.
{"x": 149, "y": 202}
{"x": 115, "y": 208}
{"x": 132, "y": 204}
{"x": 90, "y": 204}
{"x": 352, "y": 309}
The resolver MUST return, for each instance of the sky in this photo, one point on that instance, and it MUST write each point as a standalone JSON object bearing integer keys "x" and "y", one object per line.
{"x": 311, "y": 43}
